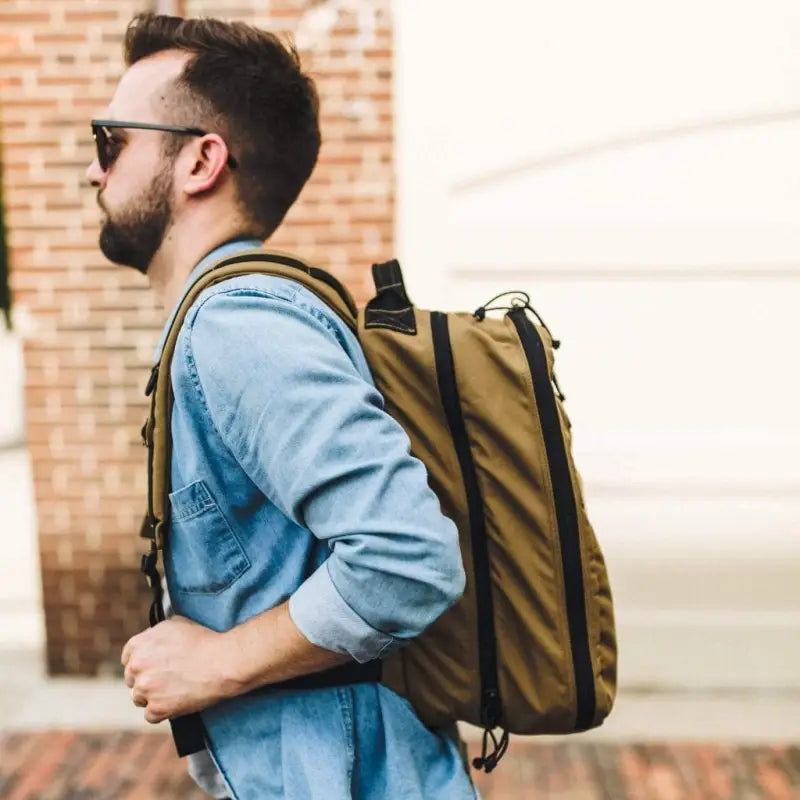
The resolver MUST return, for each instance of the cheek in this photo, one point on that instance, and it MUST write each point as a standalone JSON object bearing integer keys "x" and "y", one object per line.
{"x": 132, "y": 172}
{"x": 119, "y": 190}
{"x": 108, "y": 202}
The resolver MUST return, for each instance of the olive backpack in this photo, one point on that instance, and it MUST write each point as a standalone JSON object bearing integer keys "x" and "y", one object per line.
{"x": 530, "y": 648}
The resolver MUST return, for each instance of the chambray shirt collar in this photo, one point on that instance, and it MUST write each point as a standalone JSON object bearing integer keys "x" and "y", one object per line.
{"x": 222, "y": 251}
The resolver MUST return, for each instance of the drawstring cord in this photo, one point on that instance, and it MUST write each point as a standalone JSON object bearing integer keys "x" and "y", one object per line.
{"x": 488, "y": 762}
{"x": 521, "y": 299}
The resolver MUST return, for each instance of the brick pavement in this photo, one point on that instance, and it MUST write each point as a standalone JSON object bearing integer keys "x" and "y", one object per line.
{"x": 143, "y": 766}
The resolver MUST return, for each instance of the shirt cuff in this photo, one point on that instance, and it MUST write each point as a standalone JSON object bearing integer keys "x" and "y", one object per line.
{"x": 325, "y": 619}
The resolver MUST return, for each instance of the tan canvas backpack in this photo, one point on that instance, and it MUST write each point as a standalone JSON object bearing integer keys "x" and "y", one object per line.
{"x": 530, "y": 647}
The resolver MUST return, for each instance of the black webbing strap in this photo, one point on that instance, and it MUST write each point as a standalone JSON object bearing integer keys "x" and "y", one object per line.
{"x": 189, "y": 733}
{"x": 391, "y": 307}
{"x": 388, "y": 275}
{"x": 149, "y": 568}
{"x": 344, "y": 675}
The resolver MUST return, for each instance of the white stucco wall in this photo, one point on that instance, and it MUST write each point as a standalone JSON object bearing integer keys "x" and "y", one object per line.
{"x": 11, "y": 391}
{"x": 21, "y": 616}
{"x": 635, "y": 167}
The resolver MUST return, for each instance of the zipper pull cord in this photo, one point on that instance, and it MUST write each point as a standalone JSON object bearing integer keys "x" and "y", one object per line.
{"x": 488, "y": 761}
{"x": 559, "y": 393}
{"x": 521, "y": 300}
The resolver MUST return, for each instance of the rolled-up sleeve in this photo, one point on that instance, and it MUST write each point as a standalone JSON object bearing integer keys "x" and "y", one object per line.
{"x": 311, "y": 432}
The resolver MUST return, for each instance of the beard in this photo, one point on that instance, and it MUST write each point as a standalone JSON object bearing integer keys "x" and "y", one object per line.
{"x": 135, "y": 232}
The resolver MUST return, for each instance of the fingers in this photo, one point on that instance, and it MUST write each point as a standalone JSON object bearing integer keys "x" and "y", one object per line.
{"x": 152, "y": 714}
{"x": 136, "y": 669}
{"x": 125, "y": 660}
{"x": 138, "y": 698}
{"x": 126, "y": 653}
{"x": 130, "y": 679}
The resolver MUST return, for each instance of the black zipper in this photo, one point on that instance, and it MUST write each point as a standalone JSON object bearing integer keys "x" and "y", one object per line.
{"x": 491, "y": 705}
{"x": 566, "y": 518}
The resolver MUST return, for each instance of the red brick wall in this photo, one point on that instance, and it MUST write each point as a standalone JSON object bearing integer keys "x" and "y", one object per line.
{"x": 93, "y": 326}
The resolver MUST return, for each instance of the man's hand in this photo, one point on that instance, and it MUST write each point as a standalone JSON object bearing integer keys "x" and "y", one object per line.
{"x": 177, "y": 667}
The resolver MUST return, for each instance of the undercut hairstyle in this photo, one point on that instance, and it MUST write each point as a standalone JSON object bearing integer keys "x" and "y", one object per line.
{"x": 248, "y": 86}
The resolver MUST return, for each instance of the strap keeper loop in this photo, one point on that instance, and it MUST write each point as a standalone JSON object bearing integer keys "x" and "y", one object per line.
{"x": 153, "y": 530}
{"x": 158, "y": 537}
{"x": 148, "y": 567}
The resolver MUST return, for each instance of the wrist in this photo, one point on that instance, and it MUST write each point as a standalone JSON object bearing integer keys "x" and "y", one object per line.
{"x": 235, "y": 673}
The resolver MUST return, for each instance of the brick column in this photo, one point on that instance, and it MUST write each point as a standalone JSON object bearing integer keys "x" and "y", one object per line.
{"x": 91, "y": 327}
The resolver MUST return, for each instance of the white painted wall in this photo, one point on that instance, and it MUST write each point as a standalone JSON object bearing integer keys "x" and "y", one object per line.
{"x": 21, "y": 610}
{"x": 21, "y": 614}
{"x": 636, "y": 167}
{"x": 11, "y": 389}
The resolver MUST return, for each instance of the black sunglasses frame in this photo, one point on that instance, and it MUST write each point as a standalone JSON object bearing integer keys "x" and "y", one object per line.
{"x": 100, "y": 136}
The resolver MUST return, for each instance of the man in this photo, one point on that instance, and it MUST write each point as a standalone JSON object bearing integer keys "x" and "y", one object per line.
{"x": 303, "y": 535}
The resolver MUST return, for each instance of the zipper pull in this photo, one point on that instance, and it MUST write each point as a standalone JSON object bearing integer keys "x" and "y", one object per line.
{"x": 559, "y": 393}
{"x": 151, "y": 381}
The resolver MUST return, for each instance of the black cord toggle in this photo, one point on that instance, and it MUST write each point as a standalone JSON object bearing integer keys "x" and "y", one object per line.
{"x": 488, "y": 761}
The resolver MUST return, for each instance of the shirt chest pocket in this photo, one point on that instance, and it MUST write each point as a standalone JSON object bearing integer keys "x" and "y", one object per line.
{"x": 205, "y": 555}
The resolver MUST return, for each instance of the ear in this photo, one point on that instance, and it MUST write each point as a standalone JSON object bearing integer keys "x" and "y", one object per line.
{"x": 209, "y": 160}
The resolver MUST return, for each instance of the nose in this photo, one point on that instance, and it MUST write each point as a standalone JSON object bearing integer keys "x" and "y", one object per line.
{"x": 94, "y": 173}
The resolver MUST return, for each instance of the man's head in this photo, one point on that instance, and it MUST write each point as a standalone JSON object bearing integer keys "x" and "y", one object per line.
{"x": 249, "y": 136}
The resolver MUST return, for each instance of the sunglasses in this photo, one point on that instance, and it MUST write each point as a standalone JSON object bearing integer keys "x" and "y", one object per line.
{"x": 109, "y": 148}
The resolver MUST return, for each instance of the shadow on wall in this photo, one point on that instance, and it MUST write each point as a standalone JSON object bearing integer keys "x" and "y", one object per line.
{"x": 623, "y": 142}
{"x": 11, "y": 398}
{"x": 5, "y": 293}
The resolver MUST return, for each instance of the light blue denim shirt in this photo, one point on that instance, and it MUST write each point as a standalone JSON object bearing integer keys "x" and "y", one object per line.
{"x": 290, "y": 481}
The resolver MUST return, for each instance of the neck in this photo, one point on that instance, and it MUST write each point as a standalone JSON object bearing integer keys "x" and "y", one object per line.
{"x": 183, "y": 247}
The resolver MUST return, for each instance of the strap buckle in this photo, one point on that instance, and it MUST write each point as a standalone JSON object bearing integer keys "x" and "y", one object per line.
{"x": 149, "y": 569}
{"x": 153, "y": 530}
{"x": 151, "y": 381}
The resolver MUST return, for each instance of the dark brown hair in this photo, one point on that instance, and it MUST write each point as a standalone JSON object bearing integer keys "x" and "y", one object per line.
{"x": 247, "y": 85}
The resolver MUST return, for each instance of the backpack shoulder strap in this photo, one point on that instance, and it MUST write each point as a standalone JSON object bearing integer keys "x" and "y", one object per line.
{"x": 157, "y": 429}
{"x": 279, "y": 264}
{"x": 188, "y": 730}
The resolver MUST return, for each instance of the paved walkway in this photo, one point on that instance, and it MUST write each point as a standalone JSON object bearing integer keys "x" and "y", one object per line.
{"x": 81, "y": 739}
{"x": 139, "y": 766}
